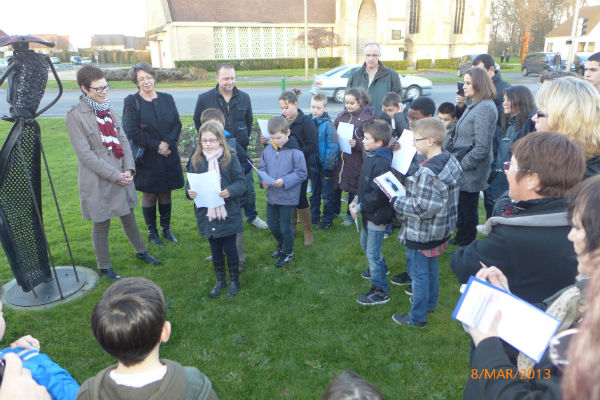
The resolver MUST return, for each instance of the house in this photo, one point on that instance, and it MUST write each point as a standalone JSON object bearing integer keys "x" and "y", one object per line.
{"x": 557, "y": 39}
{"x": 118, "y": 42}
{"x": 238, "y": 29}
{"x": 61, "y": 42}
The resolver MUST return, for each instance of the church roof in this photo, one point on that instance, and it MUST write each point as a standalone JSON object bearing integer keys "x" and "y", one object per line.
{"x": 564, "y": 29}
{"x": 259, "y": 11}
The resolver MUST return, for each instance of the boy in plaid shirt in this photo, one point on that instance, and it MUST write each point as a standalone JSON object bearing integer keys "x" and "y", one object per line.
{"x": 431, "y": 209}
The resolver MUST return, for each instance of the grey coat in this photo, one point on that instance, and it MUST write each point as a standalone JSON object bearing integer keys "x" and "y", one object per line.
{"x": 476, "y": 127}
{"x": 100, "y": 195}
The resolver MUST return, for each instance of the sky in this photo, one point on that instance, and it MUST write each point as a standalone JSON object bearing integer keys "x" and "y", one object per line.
{"x": 80, "y": 19}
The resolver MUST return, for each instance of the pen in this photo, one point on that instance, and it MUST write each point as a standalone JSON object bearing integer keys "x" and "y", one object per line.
{"x": 501, "y": 284}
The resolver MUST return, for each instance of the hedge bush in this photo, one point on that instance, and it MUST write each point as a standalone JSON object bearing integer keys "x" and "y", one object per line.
{"x": 258, "y": 63}
{"x": 424, "y": 63}
{"x": 397, "y": 65}
{"x": 447, "y": 63}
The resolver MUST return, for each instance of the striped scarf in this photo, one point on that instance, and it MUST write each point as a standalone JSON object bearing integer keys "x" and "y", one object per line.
{"x": 106, "y": 125}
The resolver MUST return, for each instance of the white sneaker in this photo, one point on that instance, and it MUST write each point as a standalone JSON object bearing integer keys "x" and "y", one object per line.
{"x": 259, "y": 223}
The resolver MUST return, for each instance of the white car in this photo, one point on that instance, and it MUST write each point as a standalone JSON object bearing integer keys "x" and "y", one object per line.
{"x": 86, "y": 60}
{"x": 333, "y": 84}
{"x": 55, "y": 60}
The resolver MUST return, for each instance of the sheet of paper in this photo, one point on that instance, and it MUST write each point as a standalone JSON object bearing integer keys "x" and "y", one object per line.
{"x": 263, "y": 175}
{"x": 390, "y": 185}
{"x": 263, "y": 124}
{"x": 345, "y": 133}
{"x": 522, "y": 325}
{"x": 356, "y": 223}
{"x": 207, "y": 188}
{"x": 402, "y": 158}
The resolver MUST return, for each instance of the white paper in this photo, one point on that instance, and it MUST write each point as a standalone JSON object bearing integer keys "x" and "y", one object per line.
{"x": 402, "y": 158}
{"x": 390, "y": 185}
{"x": 207, "y": 188}
{"x": 522, "y": 325}
{"x": 345, "y": 133}
{"x": 263, "y": 175}
{"x": 356, "y": 223}
{"x": 264, "y": 130}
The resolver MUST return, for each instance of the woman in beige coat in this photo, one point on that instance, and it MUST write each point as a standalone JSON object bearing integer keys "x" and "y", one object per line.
{"x": 105, "y": 168}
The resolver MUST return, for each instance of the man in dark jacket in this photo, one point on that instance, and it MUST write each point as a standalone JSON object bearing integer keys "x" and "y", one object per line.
{"x": 235, "y": 105}
{"x": 375, "y": 78}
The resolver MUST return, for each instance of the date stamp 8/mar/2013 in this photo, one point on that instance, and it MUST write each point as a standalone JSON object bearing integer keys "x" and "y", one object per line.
{"x": 506, "y": 373}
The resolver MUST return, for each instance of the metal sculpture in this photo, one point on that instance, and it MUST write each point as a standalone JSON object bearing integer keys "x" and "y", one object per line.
{"x": 21, "y": 225}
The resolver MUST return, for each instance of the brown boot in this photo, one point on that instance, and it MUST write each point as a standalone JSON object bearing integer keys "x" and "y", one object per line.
{"x": 306, "y": 222}
{"x": 295, "y": 221}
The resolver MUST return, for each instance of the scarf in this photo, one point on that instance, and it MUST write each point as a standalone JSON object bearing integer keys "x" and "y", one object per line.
{"x": 213, "y": 165}
{"x": 106, "y": 126}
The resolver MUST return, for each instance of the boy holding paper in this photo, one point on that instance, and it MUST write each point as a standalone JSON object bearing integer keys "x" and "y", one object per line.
{"x": 283, "y": 161}
{"x": 431, "y": 209}
{"x": 375, "y": 207}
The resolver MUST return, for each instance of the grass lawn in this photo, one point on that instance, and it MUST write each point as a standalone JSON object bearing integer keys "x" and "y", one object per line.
{"x": 287, "y": 333}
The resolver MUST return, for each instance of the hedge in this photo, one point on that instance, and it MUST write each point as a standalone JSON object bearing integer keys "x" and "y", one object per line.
{"x": 447, "y": 63}
{"x": 259, "y": 63}
{"x": 397, "y": 65}
{"x": 424, "y": 63}
{"x": 129, "y": 57}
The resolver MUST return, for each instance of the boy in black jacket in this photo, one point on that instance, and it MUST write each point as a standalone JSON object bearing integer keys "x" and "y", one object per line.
{"x": 393, "y": 113}
{"x": 375, "y": 207}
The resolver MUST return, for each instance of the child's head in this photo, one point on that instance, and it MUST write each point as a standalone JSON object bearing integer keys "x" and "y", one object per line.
{"x": 429, "y": 133}
{"x": 211, "y": 139}
{"x": 350, "y": 386}
{"x": 446, "y": 112}
{"x": 131, "y": 320}
{"x": 288, "y": 103}
{"x": 279, "y": 129}
{"x": 212, "y": 114}
{"x": 391, "y": 103}
{"x": 355, "y": 98}
{"x": 421, "y": 107}
{"x": 318, "y": 105}
{"x": 377, "y": 134}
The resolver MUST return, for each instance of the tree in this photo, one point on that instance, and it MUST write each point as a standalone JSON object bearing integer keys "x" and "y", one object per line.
{"x": 319, "y": 38}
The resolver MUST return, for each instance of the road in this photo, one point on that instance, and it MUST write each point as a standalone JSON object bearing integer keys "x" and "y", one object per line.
{"x": 264, "y": 99}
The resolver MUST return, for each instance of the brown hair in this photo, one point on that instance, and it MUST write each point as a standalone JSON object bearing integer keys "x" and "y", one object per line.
{"x": 350, "y": 386}
{"x": 128, "y": 321}
{"x": 482, "y": 84}
{"x": 360, "y": 94}
{"x": 584, "y": 200}
{"x": 87, "y": 74}
{"x": 278, "y": 124}
{"x": 379, "y": 130}
{"x": 558, "y": 162}
{"x": 321, "y": 98}
{"x": 224, "y": 65}
{"x": 521, "y": 100}
{"x": 290, "y": 96}
{"x": 212, "y": 114}
{"x": 142, "y": 66}
{"x": 431, "y": 128}
{"x": 216, "y": 129}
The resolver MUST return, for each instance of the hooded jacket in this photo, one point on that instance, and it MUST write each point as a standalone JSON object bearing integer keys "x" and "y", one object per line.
{"x": 287, "y": 164}
{"x": 374, "y": 204}
{"x": 431, "y": 202}
{"x": 326, "y": 159}
{"x": 305, "y": 132}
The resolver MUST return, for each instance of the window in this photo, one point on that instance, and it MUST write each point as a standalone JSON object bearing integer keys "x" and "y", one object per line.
{"x": 591, "y": 47}
{"x": 459, "y": 16}
{"x": 415, "y": 16}
{"x": 581, "y": 46}
{"x": 549, "y": 47}
{"x": 397, "y": 34}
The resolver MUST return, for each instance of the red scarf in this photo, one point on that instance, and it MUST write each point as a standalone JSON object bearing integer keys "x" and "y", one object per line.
{"x": 108, "y": 133}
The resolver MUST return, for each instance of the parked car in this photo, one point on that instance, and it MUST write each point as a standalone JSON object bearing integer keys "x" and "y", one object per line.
{"x": 466, "y": 62}
{"x": 86, "y": 60}
{"x": 537, "y": 63}
{"x": 75, "y": 59}
{"x": 333, "y": 83}
{"x": 55, "y": 60}
{"x": 579, "y": 63}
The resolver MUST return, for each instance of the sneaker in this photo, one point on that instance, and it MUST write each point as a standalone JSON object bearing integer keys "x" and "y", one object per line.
{"x": 374, "y": 297}
{"x": 404, "y": 319}
{"x": 386, "y": 235}
{"x": 208, "y": 259}
{"x": 324, "y": 226}
{"x": 367, "y": 274}
{"x": 277, "y": 253}
{"x": 284, "y": 259}
{"x": 110, "y": 274}
{"x": 408, "y": 290}
{"x": 402, "y": 279}
{"x": 347, "y": 222}
{"x": 259, "y": 223}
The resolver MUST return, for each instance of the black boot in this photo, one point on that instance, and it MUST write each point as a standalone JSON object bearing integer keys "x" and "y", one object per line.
{"x": 221, "y": 282}
{"x": 150, "y": 218}
{"x": 234, "y": 279}
{"x": 165, "y": 221}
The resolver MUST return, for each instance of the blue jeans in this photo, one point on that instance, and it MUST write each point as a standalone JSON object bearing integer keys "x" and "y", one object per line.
{"x": 279, "y": 219}
{"x": 372, "y": 244}
{"x": 321, "y": 187}
{"x": 425, "y": 284}
{"x": 250, "y": 206}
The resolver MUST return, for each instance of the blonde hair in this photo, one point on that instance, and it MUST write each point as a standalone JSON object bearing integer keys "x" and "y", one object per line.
{"x": 573, "y": 109}
{"x": 431, "y": 128}
{"x": 216, "y": 129}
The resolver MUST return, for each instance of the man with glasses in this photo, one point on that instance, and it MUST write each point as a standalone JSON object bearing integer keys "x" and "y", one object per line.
{"x": 237, "y": 109}
{"x": 375, "y": 78}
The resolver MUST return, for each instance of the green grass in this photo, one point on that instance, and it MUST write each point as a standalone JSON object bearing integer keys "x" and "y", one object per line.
{"x": 287, "y": 333}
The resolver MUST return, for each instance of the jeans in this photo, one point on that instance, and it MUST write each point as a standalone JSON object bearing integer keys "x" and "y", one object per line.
{"x": 250, "y": 206}
{"x": 279, "y": 219}
{"x": 224, "y": 244}
{"x": 372, "y": 244}
{"x": 468, "y": 217}
{"x": 321, "y": 187}
{"x": 425, "y": 284}
{"x": 337, "y": 202}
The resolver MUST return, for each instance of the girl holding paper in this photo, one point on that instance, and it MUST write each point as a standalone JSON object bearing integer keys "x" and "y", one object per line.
{"x": 219, "y": 224}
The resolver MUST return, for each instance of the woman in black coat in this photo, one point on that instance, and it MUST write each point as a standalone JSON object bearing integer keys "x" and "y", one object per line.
{"x": 151, "y": 121}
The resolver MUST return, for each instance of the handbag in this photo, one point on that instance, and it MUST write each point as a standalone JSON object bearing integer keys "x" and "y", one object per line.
{"x": 136, "y": 150}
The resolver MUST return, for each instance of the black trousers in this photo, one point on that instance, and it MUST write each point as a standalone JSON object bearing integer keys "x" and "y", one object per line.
{"x": 223, "y": 244}
{"x": 468, "y": 217}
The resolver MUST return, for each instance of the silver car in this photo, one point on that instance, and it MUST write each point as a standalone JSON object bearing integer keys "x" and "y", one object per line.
{"x": 333, "y": 84}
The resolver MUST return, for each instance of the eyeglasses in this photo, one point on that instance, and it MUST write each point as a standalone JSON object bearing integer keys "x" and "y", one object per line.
{"x": 509, "y": 167}
{"x": 415, "y": 140}
{"x": 540, "y": 114}
{"x": 372, "y": 55}
{"x": 144, "y": 79}
{"x": 100, "y": 89}
{"x": 209, "y": 140}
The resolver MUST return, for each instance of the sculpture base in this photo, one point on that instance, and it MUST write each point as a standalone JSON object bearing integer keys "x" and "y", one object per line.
{"x": 47, "y": 293}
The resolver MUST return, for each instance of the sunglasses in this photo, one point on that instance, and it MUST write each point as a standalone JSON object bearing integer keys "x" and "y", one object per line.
{"x": 540, "y": 114}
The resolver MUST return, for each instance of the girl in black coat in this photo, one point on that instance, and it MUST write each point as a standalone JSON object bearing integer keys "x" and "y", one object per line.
{"x": 151, "y": 121}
